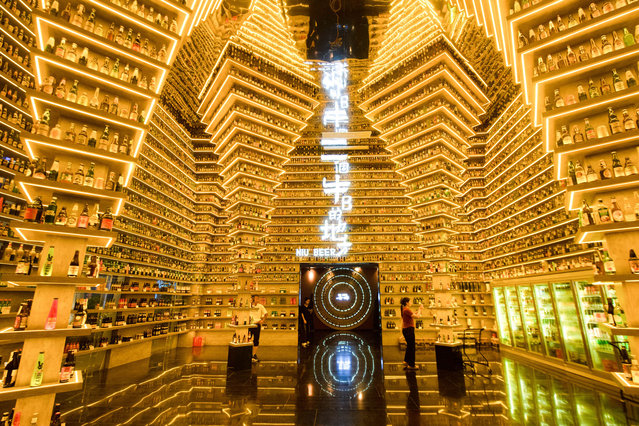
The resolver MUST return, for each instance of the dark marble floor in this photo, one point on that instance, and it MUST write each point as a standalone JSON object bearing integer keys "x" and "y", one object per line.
{"x": 341, "y": 379}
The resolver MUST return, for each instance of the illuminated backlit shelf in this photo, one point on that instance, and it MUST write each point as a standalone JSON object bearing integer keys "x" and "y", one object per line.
{"x": 35, "y": 279}
{"x": 9, "y": 335}
{"x": 30, "y": 231}
{"x": 8, "y": 394}
{"x": 597, "y": 233}
{"x": 46, "y": 189}
{"x": 619, "y": 331}
{"x": 578, "y": 193}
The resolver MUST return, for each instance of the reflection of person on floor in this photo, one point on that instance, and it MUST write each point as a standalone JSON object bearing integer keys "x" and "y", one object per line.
{"x": 412, "y": 402}
{"x": 408, "y": 330}
{"x": 258, "y": 315}
{"x": 306, "y": 314}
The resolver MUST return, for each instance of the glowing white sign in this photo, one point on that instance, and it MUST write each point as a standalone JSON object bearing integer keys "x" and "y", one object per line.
{"x": 334, "y": 228}
{"x": 343, "y": 297}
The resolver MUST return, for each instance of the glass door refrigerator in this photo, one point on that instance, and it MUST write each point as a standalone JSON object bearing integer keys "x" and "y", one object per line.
{"x": 502, "y": 317}
{"x": 548, "y": 319}
{"x": 591, "y": 305}
{"x": 569, "y": 323}
{"x": 531, "y": 323}
{"x": 514, "y": 317}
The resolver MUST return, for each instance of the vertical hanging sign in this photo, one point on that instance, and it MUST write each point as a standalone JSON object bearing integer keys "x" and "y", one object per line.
{"x": 334, "y": 228}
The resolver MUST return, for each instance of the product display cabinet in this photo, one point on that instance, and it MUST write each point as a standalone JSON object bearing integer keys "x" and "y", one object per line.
{"x": 562, "y": 320}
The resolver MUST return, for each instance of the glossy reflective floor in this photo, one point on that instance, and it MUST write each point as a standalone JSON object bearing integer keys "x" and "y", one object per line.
{"x": 341, "y": 379}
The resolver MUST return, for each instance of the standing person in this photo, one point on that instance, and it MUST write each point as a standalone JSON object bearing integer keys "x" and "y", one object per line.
{"x": 258, "y": 315}
{"x": 408, "y": 330}
{"x": 306, "y": 314}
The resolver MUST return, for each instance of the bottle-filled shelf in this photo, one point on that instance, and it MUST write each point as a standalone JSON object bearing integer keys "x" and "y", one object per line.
{"x": 48, "y": 280}
{"x": 31, "y": 231}
{"x": 17, "y": 392}
{"x": 9, "y": 335}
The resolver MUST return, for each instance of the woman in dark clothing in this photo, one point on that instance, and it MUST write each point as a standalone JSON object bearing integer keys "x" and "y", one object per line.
{"x": 408, "y": 330}
{"x": 306, "y": 314}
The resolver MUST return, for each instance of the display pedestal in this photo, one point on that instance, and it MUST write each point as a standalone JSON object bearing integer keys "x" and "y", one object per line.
{"x": 240, "y": 356}
{"x": 449, "y": 357}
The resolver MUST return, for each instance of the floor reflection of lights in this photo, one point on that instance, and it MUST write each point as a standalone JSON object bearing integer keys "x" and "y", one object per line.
{"x": 344, "y": 365}
{"x": 338, "y": 381}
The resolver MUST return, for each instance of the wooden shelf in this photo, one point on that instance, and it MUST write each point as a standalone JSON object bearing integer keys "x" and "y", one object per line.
{"x": 36, "y": 279}
{"x": 18, "y": 289}
{"x": 114, "y": 84}
{"x": 597, "y": 233}
{"x": 619, "y": 331}
{"x": 586, "y": 274}
{"x": 47, "y": 188}
{"x": 148, "y": 308}
{"x": 241, "y": 326}
{"x": 57, "y": 27}
{"x": 30, "y": 231}
{"x": 9, "y": 335}
{"x": 8, "y": 394}
{"x": 552, "y": 120}
{"x": 138, "y": 324}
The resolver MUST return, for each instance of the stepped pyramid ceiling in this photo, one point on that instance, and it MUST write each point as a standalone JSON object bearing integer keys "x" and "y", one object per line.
{"x": 199, "y": 54}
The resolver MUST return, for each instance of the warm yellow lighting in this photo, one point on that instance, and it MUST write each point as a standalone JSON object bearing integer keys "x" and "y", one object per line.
{"x": 121, "y": 123}
{"x": 135, "y": 58}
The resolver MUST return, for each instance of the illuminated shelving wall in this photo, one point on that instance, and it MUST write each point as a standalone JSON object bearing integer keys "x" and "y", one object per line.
{"x": 425, "y": 101}
{"x": 255, "y": 104}
{"x": 379, "y": 223}
{"x": 94, "y": 93}
{"x": 576, "y": 72}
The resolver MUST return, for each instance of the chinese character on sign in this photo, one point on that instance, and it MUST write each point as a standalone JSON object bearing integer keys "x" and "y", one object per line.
{"x": 335, "y": 82}
{"x": 336, "y": 188}
{"x": 334, "y": 228}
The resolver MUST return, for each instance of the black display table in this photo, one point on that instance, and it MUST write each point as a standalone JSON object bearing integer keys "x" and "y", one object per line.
{"x": 240, "y": 355}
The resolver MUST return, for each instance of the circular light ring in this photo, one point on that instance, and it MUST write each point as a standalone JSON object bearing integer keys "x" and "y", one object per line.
{"x": 330, "y": 313}
{"x": 362, "y": 373}
{"x": 325, "y": 295}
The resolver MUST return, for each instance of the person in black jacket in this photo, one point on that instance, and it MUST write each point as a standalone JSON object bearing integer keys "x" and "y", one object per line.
{"x": 306, "y": 316}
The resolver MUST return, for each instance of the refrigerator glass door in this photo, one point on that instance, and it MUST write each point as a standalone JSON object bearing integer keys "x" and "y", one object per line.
{"x": 548, "y": 319}
{"x": 591, "y": 305}
{"x": 570, "y": 323}
{"x": 502, "y": 316}
{"x": 531, "y": 325}
{"x": 514, "y": 317}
